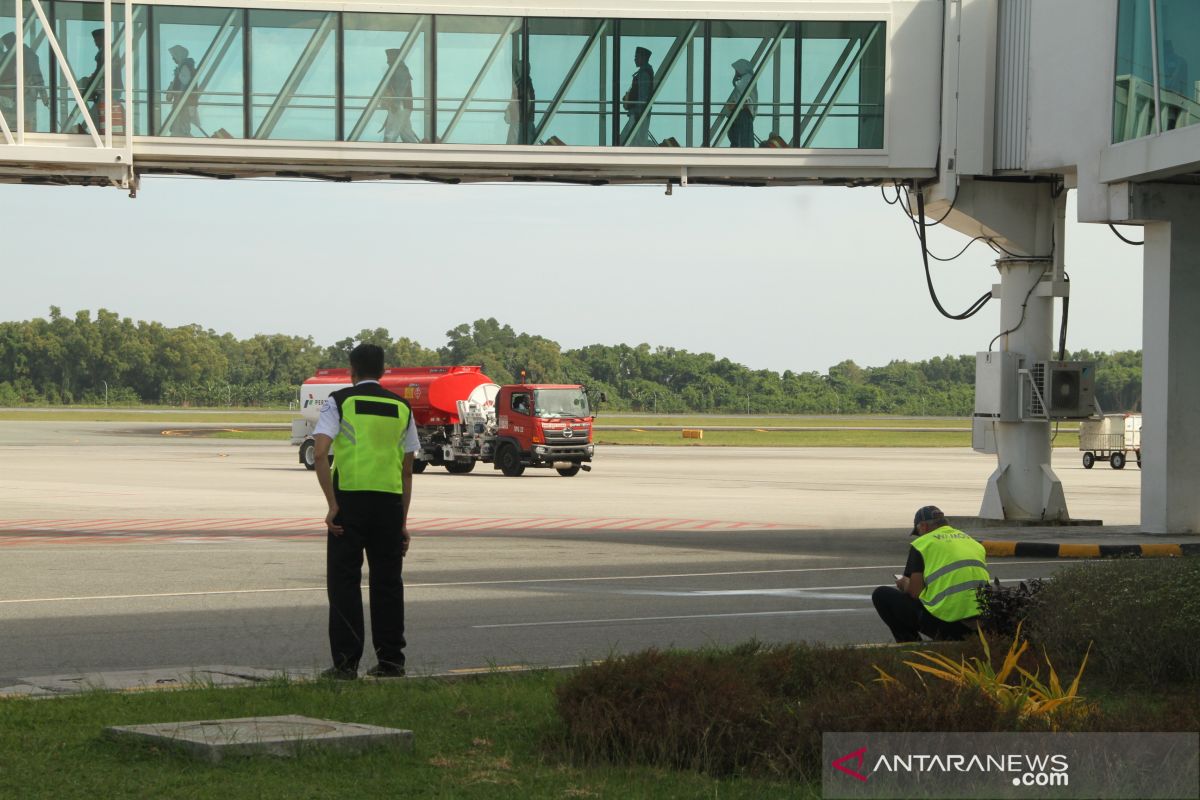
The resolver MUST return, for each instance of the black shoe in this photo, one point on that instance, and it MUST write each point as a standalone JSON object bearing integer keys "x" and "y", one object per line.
{"x": 386, "y": 670}
{"x": 339, "y": 674}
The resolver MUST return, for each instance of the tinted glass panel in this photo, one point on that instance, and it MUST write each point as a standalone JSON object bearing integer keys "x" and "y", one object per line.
{"x": 570, "y": 70}
{"x": 386, "y": 74}
{"x": 198, "y": 77}
{"x": 37, "y": 68}
{"x": 753, "y": 76}
{"x": 661, "y": 73}
{"x": 478, "y": 80}
{"x": 292, "y": 75}
{"x": 1179, "y": 62}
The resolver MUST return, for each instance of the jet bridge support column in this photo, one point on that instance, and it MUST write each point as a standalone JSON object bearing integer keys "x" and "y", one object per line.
{"x": 1027, "y": 220}
{"x": 1024, "y": 485}
{"x": 1170, "y": 357}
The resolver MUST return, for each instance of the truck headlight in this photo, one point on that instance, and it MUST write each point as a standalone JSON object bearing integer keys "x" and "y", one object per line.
{"x": 541, "y": 451}
{"x": 590, "y": 450}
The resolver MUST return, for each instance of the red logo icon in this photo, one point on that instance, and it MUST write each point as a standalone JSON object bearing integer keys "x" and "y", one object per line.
{"x": 858, "y": 756}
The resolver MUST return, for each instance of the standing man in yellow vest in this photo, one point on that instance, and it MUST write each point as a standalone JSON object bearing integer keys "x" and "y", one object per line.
{"x": 368, "y": 490}
{"x": 936, "y": 595}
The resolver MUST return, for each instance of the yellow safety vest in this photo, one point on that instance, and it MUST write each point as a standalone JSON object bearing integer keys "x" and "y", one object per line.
{"x": 955, "y": 567}
{"x": 369, "y": 445}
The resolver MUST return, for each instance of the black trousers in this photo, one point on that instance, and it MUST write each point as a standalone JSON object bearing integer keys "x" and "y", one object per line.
{"x": 908, "y": 619}
{"x": 371, "y": 524}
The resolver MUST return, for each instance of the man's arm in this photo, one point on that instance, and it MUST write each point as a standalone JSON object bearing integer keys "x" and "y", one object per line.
{"x": 406, "y": 481}
{"x": 915, "y": 585}
{"x": 321, "y": 444}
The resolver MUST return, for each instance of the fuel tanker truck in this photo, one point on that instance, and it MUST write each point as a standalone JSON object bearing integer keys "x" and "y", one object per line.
{"x": 463, "y": 418}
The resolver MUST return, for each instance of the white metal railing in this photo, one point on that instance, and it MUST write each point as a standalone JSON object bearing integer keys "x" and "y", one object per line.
{"x": 97, "y": 120}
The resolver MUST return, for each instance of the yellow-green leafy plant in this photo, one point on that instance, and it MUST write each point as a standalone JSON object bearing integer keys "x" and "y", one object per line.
{"x": 1012, "y": 687}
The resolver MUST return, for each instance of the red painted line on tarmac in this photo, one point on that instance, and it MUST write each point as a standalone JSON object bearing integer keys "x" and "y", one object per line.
{"x": 640, "y": 524}
{"x": 669, "y": 525}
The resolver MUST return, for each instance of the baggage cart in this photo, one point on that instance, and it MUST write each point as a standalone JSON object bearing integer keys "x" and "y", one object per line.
{"x": 1111, "y": 438}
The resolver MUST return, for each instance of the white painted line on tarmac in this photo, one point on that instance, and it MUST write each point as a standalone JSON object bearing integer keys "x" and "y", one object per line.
{"x": 511, "y": 582}
{"x": 675, "y": 617}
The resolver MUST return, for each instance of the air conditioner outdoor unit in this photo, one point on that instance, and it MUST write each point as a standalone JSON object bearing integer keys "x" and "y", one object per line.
{"x": 1062, "y": 390}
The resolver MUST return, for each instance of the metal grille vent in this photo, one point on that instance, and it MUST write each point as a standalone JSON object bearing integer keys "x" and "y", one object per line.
{"x": 1038, "y": 373}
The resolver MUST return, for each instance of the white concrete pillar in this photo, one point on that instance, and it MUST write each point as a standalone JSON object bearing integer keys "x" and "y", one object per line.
{"x": 1171, "y": 366}
{"x": 1024, "y": 486}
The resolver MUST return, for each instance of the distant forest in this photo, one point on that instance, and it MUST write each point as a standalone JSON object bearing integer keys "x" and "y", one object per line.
{"x": 70, "y": 360}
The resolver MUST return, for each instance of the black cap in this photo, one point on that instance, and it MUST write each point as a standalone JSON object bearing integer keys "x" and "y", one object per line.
{"x": 926, "y": 514}
{"x": 641, "y": 52}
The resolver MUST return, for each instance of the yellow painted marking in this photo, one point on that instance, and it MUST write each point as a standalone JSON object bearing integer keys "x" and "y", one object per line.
{"x": 1079, "y": 551}
{"x": 1162, "y": 550}
{"x": 1000, "y": 549}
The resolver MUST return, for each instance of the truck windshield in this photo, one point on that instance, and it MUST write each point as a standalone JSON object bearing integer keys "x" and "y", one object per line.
{"x": 550, "y": 403}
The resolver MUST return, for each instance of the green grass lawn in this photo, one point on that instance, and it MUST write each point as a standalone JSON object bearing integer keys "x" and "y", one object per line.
{"x": 784, "y": 421}
{"x": 147, "y": 415}
{"x": 478, "y": 738}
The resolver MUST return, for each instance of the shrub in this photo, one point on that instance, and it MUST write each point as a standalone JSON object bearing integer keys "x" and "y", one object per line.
{"x": 1004, "y": 608}
{"x": 1141, "y": 616}
{"x": 750, "y": 709}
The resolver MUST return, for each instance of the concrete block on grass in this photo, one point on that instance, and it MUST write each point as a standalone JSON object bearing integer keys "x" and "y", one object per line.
{"x": 215, "y": 739}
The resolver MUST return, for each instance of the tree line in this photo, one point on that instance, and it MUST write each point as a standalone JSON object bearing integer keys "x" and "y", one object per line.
{"x": 106, "y": 358}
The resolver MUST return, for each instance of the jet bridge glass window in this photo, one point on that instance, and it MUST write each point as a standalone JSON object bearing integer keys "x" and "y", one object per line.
{"x": 570, "y": 77}
{"x": 660, "y": 83}
{"x": 387, "y": 77}
{"x": 1157, "y": 82}
{"x": 1177, "y": 23}
{"x": 293, "y": 85}
{"x": 753, "y": 79}
{"x": 841, "y": 79}
{"x": 36, "y": 51}
{"x": 479, "y": 80}
{"x": 198, "y": 82}
{"x": 79, "y": 28}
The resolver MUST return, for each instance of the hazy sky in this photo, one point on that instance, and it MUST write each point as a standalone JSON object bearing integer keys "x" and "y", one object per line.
{"x": 794, "y": 279}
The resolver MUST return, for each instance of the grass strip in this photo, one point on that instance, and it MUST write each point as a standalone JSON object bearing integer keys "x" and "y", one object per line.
{"x": 477, "y": 738}
{"x": 145, "y": 415}
{"x": 783, "y": 420}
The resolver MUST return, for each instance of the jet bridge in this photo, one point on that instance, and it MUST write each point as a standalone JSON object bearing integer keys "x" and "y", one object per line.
{"x": 831, "y": 92}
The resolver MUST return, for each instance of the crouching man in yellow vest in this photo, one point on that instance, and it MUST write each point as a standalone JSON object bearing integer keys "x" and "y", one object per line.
{"x": 373, "y": 437}
{"x": 936, "y": 595}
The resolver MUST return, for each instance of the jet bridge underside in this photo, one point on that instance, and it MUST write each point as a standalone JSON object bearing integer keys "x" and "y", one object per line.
{"x": 470, "y": 164}
{"x": 107, "y": 91}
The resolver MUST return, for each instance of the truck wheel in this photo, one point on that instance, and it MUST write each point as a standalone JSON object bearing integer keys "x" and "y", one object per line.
{"x": 1089, "y": 460}
{"x": 459, "y": 467}
{"x": 1117, "y": 460}
{"x": 568, "y": 472}
{"x": 419, "y": 466}
{"x": 308, "y": 455}
{"x": 509, "y": 461}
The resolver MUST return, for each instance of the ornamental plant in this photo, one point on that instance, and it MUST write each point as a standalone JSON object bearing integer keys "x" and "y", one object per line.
{"x": 1011, "y": 687}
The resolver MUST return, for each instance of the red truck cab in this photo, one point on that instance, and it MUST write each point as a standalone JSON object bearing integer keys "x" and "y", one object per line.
{"x": 542, "y": 425}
